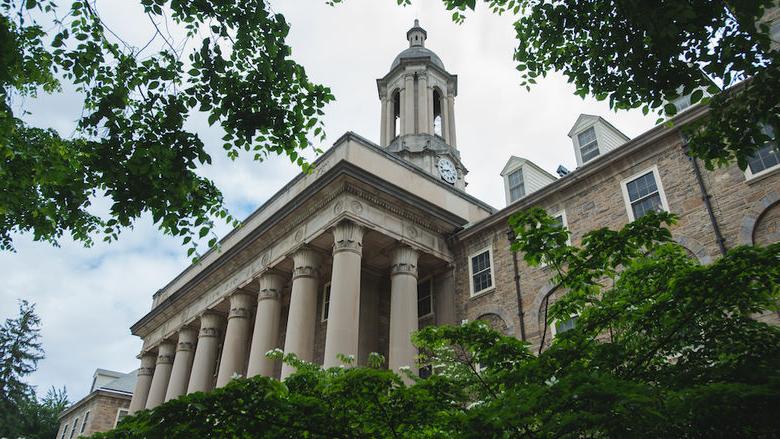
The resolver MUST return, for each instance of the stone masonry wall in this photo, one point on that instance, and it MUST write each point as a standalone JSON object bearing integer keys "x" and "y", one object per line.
{"x": 743, "y": 208}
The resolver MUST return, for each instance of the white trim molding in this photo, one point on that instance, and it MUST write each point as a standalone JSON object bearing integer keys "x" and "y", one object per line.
{"x": 658, "y": 184}
{"x": 492, "y": 286}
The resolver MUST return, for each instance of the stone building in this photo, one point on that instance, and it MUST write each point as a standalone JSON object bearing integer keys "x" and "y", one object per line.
{"x": 382, "y": 239}
{"x": 106, "y": 404}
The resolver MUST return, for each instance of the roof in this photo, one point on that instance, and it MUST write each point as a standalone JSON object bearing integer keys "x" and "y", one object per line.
{"x": 589, "y": 119}
{"x": 515, "y": 161}
{"x": 125, "y": 383}
{"x": 418, "y": 52}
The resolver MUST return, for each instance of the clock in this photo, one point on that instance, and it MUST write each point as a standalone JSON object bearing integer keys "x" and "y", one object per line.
{"x": 447, "y": 171}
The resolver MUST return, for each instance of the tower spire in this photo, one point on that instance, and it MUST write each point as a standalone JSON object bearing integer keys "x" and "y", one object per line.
{"x": 416, "y": 35}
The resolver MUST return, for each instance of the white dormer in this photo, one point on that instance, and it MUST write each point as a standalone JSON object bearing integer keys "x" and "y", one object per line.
{"x": 593, "y": 136}
{"x": 522, "y": 177}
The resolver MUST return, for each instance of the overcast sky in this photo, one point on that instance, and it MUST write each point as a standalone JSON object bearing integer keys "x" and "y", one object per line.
{"x": 88, "y": 298}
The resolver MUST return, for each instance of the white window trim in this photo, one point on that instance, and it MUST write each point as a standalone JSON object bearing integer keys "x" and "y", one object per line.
{"x": 658, "y": 184}
{"x": 325, "y": 287}
{"x": 507, "y": 190}
{"x": 578, "y": 149}
{"x": 492, "y": 287}
{"x": 428, "y": 279}
{"x": 749, "y": 175}
{"x": 561, "y": 213}
{"x": 84, "y": 421}
{"x": 554, "y": 331}
{"x": 118, "y": 411}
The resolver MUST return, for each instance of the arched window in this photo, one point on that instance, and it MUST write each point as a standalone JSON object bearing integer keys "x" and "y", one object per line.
{"x": 437, "y": 119}
{"x": 396, "y": 113}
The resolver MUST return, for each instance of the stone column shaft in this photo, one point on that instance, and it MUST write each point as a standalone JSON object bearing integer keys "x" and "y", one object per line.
{"x": 403, "y": 309}
{"x": 430, "y": 110}
{"x": 451, "y": 119}
{"x": 402, "y": 115}
{"x": 302, "y": 316}
{"x": 182, "y": 364}
{"x": 143, "y": 383}
{"x": 383, "y": 123}
{"x": 162, "y": 374}
{"x": 344, "y": 309}
{"x": 205, "y": 361}
{"x": 445, "y": 119}
{"x": 422, "y": 104}
{"x": 409, "y": 104}
{"x": 390, "y": 121}
{"x": 266, "y": 333}
{"x": 235, "y": 349}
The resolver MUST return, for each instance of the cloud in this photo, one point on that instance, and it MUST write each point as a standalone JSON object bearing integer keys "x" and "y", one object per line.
{"x": 88, "y": 298}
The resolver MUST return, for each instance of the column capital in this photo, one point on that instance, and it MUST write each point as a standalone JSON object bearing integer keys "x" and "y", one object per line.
{"x": 210, "y": 324}
{"x": 404, "y": 261}
{"x": 187, "y": 337}
{"x": 271, "y": 284}
{"x": 348, "y": 236}
{"x": 165, "y": 352}
{"x": 148, "y": 360}
{"x": 306, "y": 263}
{"x": 240, "y": 305}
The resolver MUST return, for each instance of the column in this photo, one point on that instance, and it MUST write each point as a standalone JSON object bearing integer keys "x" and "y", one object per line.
{"x": 402, "y": 112}
{"x": 205, "y": 361}
{"x": 143, "y": 382}
{"x": 302, "y": 316}
{"x": 234, "y": 349}
{"x": 409, "y": 103}
{"x": 266, "y": 333}
{"x": 422, "y": 104}
{"x": 343, "y": 313}
{"x": 430, "y": 110}
{"x": 451, "y": 119}
{"x": 383, "y": 121}
{"x": 182, "y": 364}
{"x": 162, "y": 374}
{"x": 445, "y": 119}
{"x": 390, "y": 121}
{"x": 403, "y": 308}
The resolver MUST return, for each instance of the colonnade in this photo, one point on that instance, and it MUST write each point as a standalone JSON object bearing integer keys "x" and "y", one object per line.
{"x": 190, "y": 364}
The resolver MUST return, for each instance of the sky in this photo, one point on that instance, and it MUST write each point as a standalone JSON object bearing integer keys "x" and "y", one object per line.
{"x": 88, "y": 298}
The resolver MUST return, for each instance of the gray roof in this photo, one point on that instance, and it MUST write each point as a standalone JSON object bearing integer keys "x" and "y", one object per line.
{"x": 125, "y": 383}
{"x": 416, "y": 52}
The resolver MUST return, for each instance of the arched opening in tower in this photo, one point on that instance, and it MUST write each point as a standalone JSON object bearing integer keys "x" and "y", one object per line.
{"x": 437, "y": 119}
{"x": 396, "y": 113}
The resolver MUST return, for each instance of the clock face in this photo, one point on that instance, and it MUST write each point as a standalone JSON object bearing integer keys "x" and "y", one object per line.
{"x": 447, "y": 171}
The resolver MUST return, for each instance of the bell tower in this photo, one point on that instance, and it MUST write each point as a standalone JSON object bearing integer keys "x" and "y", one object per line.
{"x": 418, "y": 111}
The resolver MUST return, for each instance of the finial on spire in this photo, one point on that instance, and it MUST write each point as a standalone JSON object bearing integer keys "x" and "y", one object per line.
{"x": 416, "y": 35}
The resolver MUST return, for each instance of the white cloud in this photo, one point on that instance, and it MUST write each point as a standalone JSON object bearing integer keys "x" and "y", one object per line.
{"x": 88, "y": 298}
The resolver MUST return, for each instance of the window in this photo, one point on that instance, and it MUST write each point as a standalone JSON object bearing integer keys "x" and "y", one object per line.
{"x": 765, "y": 158}
{"x": 561, "y": 327}
{"x": 73, "y": 429}
{"x": 643, "y": 193}
{"x": 516, "y": 185}
{"x": 438, "y": 121}
{"x": 560, "y": 218}
{"x": 84, "y": 423}
{"x": 589, "y": 147}
{"x": 481, "y": 271}
{"x": 425, "y": 371}
{"x": 120, "y": 414}
{"x": 325, "y": 302}
{"x": 425, "y": 297}
{"x": 64, "y": 432}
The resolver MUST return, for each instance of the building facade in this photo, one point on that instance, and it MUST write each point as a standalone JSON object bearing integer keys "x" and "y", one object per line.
{"x": 106, "y": 404}
{"x": 382, "y": 239}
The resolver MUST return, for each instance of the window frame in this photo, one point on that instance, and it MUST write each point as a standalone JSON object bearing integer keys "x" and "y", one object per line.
{"x": 554, "y": 324}
{"x": 118, "y": 412}
{"x": 580, "y": 145}
{"x": 658, "y": 184}
{"x": 492, "y": 286}
{"x": 521, "y": 184}
{"x": 429, "y": 280}
{"x": 561, "y": 213}
{"x": 84, "y": 422}
{"x": 749, "y": 175}
{"x": 325, "y": 287}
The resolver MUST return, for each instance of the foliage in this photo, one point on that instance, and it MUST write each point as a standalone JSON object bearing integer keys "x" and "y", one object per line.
{"x": 22, "y": 414}
{"x": 645, "y": 54}
{"x": 663, "y": 347}
{"x": 132, "y": 144}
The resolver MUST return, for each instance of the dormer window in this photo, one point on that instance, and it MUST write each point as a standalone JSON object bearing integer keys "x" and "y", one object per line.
{"x": 589, "y": 147}
{"x": 516, "y": 185}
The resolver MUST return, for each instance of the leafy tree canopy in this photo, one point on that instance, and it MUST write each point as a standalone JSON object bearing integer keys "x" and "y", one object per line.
{"x": 132, "y": 144}
{"x": 662, "y": 347}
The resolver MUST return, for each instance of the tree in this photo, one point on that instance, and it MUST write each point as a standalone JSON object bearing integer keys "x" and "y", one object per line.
{"x": 666, "y": 348}
{"x": 39, "y": 418}
{"x": 645, "y": 54}
{"x": 132, "y": 144}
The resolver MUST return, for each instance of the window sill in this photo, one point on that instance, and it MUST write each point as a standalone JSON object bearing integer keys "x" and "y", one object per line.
{"x": 755, "y": 178}
{"x": 483, "y": 293}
